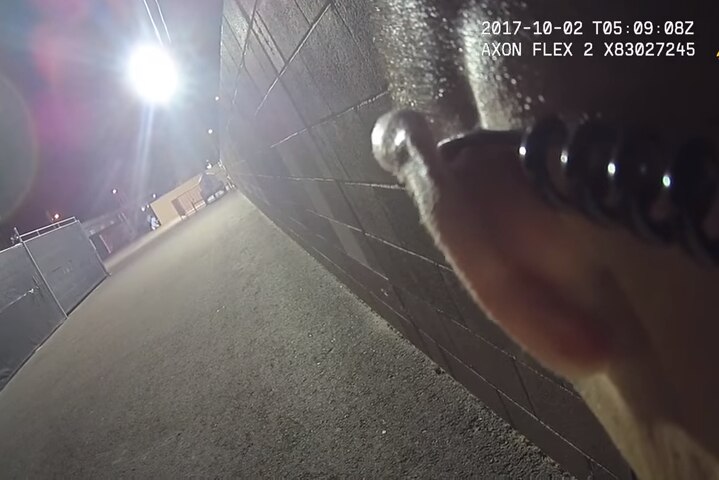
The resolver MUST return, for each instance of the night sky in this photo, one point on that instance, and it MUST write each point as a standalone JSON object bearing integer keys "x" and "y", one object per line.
{"x": 72, "y": 129}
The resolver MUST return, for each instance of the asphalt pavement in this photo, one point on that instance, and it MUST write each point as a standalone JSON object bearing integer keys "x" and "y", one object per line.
{"x": 223, "y": 350}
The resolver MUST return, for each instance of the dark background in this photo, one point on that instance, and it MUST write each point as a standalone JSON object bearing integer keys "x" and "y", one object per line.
{"x": 71, "y": 129}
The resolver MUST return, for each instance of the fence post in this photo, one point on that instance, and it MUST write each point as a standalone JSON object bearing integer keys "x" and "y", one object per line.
{"x": 42, "y": 277}
{"x": 94, "y": 249}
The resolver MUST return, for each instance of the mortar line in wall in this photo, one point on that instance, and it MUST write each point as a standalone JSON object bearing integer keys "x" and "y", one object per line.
{"x": 294, "y": 53}
{"x": 517, "y": 359}
{"x": 236, "y": 87}
{"x": 362, "y": 51}
{"x": 339, "y": 222}
{"x": 366, "y": 101}
{"x": 355, "y": 229}
{"x": 544, "y": 376}
{"x": 500, "y": 391}
{"x": 252, "y": 80}
{"x": 332, "y": 116}
{"x": 249, "y": 29}
{"x": 342, "y": 190}
{"x": 290, "y": 136}
{"x": 491, "y": 344}
{"x": 239, "y": 65}
{"x": 233, "y": 33}
{"x": 350, "y": 206}
{"x": 302, "y": 12}
{"x": 548, "y": 427}
{"x": 270, "y": 40}
{"x": 283, "y": 70}
{"x": 386, "y": 186}
{"x": 260, "y": 44}
{"x": 374, "y": 237}
{"x": 403, "y": 249}
{"x": 243, "y": 45}
{"x": 524, "y": 387}
{"x": 371, "y": 99}
{"x": 455, "y": 320}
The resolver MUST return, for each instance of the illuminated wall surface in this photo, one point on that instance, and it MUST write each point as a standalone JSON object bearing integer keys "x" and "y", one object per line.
{"x": 301, "y": 87}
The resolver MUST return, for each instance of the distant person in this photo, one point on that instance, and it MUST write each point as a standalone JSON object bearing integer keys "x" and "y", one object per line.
{"x": 601, "y": 262}
{"x": 152, "y": 221}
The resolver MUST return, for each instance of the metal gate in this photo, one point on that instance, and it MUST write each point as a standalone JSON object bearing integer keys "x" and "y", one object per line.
{"x": 42, "y": 278}
{"x": 68, "y": 260}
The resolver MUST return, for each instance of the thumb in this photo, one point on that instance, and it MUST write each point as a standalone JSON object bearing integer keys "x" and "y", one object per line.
{"x": 404, "y": 145}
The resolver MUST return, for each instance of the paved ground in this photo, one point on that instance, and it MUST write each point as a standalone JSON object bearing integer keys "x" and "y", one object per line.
{"x": 223, "y": 350}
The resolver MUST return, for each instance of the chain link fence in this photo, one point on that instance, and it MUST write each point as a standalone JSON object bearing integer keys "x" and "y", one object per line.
{"x": 43, "y": 277}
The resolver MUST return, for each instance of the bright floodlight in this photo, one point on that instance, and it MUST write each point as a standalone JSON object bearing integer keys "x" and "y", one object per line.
{"x": 153, "y": 74}
{"x": 57, "y": 216}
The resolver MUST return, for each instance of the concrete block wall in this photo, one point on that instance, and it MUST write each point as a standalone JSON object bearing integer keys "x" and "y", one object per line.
{"x": 301, "y": 88}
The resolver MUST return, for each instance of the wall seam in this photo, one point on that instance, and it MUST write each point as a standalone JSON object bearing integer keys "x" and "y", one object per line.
{"x": 386, "y": 186}
{"x": 548, "y": 427}
{"x": 296, "y": 51}
{"x": 333, "y": 116}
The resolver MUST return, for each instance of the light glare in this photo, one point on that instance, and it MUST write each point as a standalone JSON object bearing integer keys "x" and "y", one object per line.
{"x": 611, "y": 168}
{"x": 153, "y": 74}
{"x": 667, "y": 181}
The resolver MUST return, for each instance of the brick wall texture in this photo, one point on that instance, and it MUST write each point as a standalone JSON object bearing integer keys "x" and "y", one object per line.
{"x": 301, "y": 88}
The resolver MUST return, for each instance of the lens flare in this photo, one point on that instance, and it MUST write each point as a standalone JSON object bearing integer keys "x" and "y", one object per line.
{"x": 18, "y": 137}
